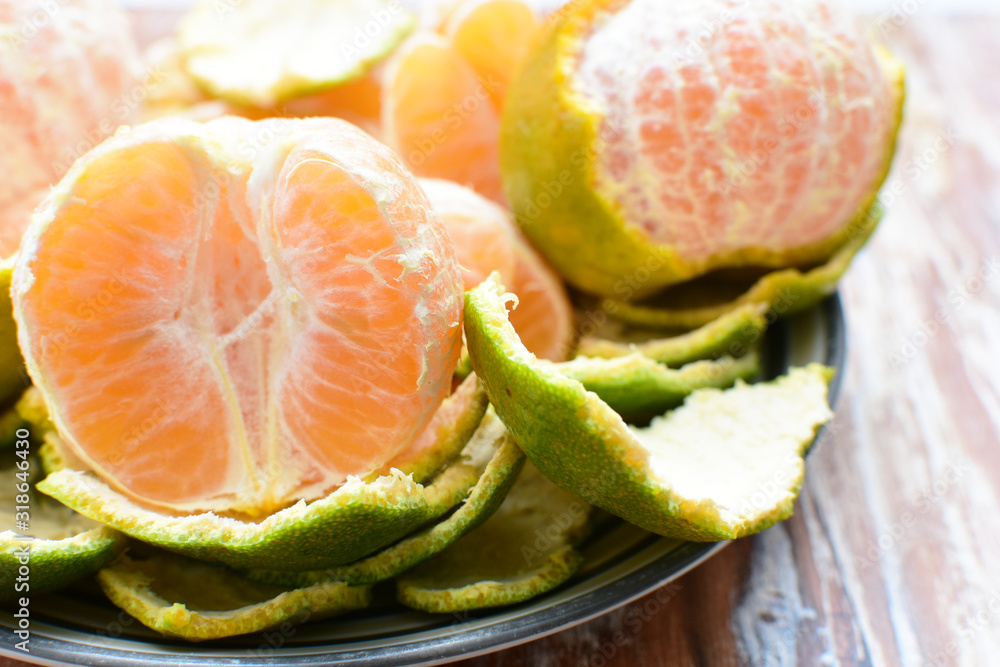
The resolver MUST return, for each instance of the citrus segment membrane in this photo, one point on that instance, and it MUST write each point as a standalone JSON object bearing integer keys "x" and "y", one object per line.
{"x": 481, "y": 230}
{"x": 196, "y": 601}
{"x": 494, "y": 483}
{"x": 448, "y": 432}
{"x": 233, "y": 316}
{"x": 523, "y": 550}
{"x": 261, "y": 52}
{"x": 730, "y": 333}
{"x": 444, "y": 90}
{"x": 637, "y": 387}
{"x": 727, "y": 463}
{"x": 782, "y": 292}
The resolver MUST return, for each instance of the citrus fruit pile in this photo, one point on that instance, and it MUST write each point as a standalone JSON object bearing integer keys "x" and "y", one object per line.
{"x": 306, "y": 330}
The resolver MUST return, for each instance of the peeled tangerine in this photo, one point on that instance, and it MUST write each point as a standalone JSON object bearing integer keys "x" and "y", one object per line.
{"x": 645, "y": 143}
{"x": 236, "y": 315}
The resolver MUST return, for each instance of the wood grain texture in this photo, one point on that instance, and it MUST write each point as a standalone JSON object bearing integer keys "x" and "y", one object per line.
{"x": 893, "y": 554}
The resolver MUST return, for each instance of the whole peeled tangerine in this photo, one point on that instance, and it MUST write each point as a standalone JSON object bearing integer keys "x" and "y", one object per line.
{"x": 659, "y": 141}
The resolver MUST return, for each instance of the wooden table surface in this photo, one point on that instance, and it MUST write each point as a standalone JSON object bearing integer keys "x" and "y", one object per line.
{"x": 893, "y": 554}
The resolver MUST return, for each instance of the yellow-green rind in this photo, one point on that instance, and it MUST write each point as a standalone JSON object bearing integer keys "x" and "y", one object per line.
{"x": 729, "y": 334}
{"x": 63, "y": 546}
{"x": 581, "y": 444}
{"x": 12, "y": 373}
{"x": 489, "y": 492}
{"x": 54, "y": 564}
{"x": 638, "y": 388}
{"x": 352, "y": 522}
{"x": 10, "y": 423}
{"x": 196, "y": 601}
{"x": 524, "y": 550}
{"x": 548, "y": 155}
{"x": 202, "y": 35}
{"x": 782, "y": 292}
{"x": 31, "y": 408}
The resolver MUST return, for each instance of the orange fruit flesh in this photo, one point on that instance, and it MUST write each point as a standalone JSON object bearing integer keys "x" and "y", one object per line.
{"x": 443, "y": 94}
{"x": 479, "y": 229}
{"x": 494, "y": 37}
{"x": 487, "y": 240}
{"x": 755, "y": 137}
{"x": 235, "y": 335}
{"x": 543, "y": 318}
{"x": 439, "y": 117}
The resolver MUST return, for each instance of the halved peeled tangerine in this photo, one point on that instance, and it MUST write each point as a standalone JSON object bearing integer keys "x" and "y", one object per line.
{"x": 236, "y": 315}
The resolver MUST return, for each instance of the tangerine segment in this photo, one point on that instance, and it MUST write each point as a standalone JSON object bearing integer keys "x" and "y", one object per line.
{"x": 482, "y": 232}
{"x": 486, "y": 239}
{"x": 224, "y": 321}
{"x": 544, "y": 315}
{"x": 494, "y": 36}
{"x": 765, "y": 132}
{"x": 440, "y": 117}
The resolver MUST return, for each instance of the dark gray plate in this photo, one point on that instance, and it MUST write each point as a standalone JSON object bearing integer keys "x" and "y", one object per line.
{"x": 622, "y": 563}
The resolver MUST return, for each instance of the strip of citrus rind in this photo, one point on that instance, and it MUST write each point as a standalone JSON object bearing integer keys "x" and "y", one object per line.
{"x": 638, "y": 388}
{"x": 497, "y": 478}
{"x": 354, "y": 521}
{"x": 56, "y": 545}
{"x": 262, "y": 52}
{"x": 525, "y": 549}
{"x": 11, "y": 364}
{"x": 196, "y": 601}
{"x": 728, "y": 463}
{"x": 728, "y": 334}
{"x": 784, "y": 292}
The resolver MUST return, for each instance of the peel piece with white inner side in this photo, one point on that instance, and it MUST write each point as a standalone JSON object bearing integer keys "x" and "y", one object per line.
{"x": 693, "y": 474}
